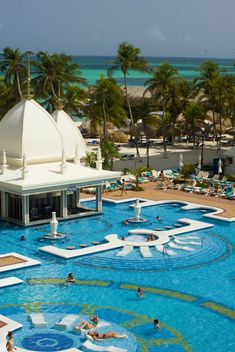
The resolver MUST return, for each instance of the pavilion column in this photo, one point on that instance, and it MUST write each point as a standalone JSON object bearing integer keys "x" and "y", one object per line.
{"x": 99, "y": 198}
{"x": 4, "y": 205}
{"x": 77, "y": 197}
{"x": 25, "y": 210}
{"x": 63, "y": 204}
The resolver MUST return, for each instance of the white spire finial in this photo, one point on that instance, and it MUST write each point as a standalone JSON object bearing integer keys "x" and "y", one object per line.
{"x": 63, "y": 164}
{"x": 4, "y": 161}
{"x": 24, "y": 169}
{"x": 76, "y": 157}
{"x": 99, "y": 160}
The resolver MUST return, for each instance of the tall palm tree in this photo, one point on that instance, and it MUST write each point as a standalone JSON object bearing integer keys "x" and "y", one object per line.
{"x": 106, "y": 104}
{"x": 129, "y": 58}
{"x": 224, "y": 92}
{"x": 194, "y": 116}
{"x": 55, "y": 71}
{"x": 160, "y": 87}
{"x": 209, "y": 72}
{"x": 13, "y": 64}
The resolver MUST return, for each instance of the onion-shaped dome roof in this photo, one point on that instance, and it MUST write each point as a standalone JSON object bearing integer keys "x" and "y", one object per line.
{"x": 29, "y": 129}
{"x": 70, "y": 134}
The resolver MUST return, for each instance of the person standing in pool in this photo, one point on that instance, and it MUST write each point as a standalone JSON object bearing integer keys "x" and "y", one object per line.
{"x": 10, "y": 342}
{"x": 156, "y": 324}
{"x": 70, "y": 278}
{"x": 140, "y": 292}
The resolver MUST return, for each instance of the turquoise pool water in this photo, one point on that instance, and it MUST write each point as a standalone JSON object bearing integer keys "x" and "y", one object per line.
{"x": 192, "y": 293}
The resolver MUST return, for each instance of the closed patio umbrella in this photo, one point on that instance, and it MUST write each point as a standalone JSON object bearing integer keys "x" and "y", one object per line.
{"x": 181, "y": 161}
{"x": 220, "y": 166}
{"x": 199, "y": 162}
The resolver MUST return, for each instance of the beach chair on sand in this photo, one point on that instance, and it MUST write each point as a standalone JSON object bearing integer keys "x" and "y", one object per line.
{"x": 66, "y": 322}
{"x": 38, "y": 320}
{"x": 90, "y": 346}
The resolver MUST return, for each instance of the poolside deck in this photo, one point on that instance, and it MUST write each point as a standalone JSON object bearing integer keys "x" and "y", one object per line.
{"x": 150, "y": 192}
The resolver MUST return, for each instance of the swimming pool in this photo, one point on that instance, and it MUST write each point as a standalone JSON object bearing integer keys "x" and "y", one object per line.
{"x": 191, "y": 293}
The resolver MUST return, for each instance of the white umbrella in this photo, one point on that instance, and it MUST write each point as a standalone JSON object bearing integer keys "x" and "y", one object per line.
{"x": 220, "y": 166}
{"x": 199, "y": 162}
{"x": 181, "y": 161}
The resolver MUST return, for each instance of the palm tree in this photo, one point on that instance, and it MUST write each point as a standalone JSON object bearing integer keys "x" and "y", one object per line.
{"x": 54, "y": 72}
{"x": 160, "y": 86}
{"x": 224, "y": 92}
{"x": 129, "y": 58}
{"x": 194, "y": 116}
{"x": 106, "y": 104}
{"x": 13, "y": 64}
{"x": 209, "y": 72}
{"x": 75, "y": 100}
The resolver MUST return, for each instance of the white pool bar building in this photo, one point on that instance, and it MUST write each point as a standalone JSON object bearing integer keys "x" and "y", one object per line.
{"x": 42, "y": 166}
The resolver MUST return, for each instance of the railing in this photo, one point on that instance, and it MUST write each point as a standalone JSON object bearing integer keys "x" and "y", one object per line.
{"x": 164, "y": 252}
{"x": 205, "y": 238}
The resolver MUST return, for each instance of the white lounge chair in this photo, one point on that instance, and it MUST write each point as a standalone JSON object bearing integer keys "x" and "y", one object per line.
{"x": 92, "y": 347}
{"x": 145, "y": 252}
{"x": 66, "y": 322}
{"x": 126, "y": 250}
{"x": 38, "y": 320}
{"x": 101, "y": 324}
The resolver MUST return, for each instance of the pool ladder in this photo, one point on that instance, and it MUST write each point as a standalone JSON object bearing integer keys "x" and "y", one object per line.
{"x": 208, "y": 240}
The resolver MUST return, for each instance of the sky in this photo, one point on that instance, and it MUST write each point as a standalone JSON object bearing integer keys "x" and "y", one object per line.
{"x": 183, "y": 28}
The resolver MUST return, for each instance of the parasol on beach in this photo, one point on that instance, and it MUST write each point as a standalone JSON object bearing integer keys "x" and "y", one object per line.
{"x": 220, "y": 166}
{"x": 181, "y": 161}
{"x": 199, "y": 162}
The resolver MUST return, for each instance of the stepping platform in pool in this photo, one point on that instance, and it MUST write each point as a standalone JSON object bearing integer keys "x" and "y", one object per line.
{"x": 66, "y": 254}
{"x": 10, "y": 281}
{"x": 38, "y": 320}
{"x": 13, "y": 261}
{"x": 66, "y": 322}
{"x": 179, "y": 241}
{"x": 145, "y": 252}
{"x": 90, "y": 346}
{"x": 113, "y": 242}
{"x": 183, "y": 248}
{"x": 126, "y": 250}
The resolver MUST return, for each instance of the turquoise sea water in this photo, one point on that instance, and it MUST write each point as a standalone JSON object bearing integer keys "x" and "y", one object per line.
{"x": 93, "y": 66}
{"x": 192, "y": 293}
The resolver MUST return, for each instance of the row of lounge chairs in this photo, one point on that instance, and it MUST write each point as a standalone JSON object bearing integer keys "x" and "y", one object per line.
{"x": 66, "y": 323}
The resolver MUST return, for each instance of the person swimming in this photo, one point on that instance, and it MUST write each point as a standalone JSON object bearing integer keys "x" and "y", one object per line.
{"x": 156, "y": 324}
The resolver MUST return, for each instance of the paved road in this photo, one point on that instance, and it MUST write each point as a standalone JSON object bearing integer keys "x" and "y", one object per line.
{"x": 158, "y": 162}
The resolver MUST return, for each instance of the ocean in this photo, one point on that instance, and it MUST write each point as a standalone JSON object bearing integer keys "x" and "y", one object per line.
{"x": 92, "y": 67}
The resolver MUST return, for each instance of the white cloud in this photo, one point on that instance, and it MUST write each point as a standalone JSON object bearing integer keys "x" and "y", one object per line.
{"x": 157, "y": 33}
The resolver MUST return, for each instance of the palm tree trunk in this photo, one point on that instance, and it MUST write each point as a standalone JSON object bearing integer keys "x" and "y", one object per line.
{"x": 214, "y": 125}
{"x": 131, "y": 115}
{"x": 18, "y": 86}
{"x": 105, "y": 131}
{"x": 53, "y": 90}
{"x": 164, "y": 132}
